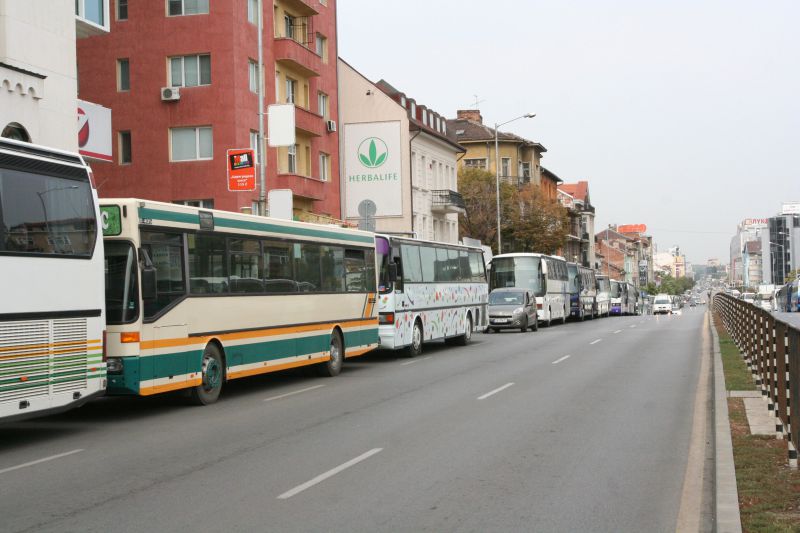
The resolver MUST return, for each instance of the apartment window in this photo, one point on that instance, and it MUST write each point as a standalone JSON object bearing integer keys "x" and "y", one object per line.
{"x": 324, "y": 167}
{"x": 525, "y": 169}
{"x": 291, "y": 90}
{"x": 475, "y": 163}
{"x": 91, "y": 10}
{"x": 413, "y": 109}
{"x": 424, "y": 116}
{"x": 191, "y": 144}
{"x": 505, "y": 164}
{"x": 187, "y": 7}
{"x": 322, "y": 47}
{"x": 254, "y": 144}
{"x": 252, "y": 69}
{"x": 252, "y": 11}
{"x": 277, "y": 87}
{"x": 202, "y": 204}
{"x": 190, "y": 71}
{"x": 122, "y": 9}
{"x": 291, "y": 161}
{"x": 288, "y": 26}
{"x": 123, "y": 75}
{"x": 322, "y": 104}
{"x": 125, "y": 157}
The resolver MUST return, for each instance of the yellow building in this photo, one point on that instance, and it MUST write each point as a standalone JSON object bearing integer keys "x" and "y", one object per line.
{"x": 520, "y": 159}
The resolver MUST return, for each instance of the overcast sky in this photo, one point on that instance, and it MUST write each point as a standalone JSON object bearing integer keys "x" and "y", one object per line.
{"x": 682, "y": 115}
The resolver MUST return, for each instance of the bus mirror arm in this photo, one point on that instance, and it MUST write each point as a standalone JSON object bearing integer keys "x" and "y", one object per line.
{"x": 148, "y": 276}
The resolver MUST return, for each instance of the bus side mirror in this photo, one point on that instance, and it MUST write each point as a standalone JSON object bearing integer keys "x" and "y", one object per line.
{"x": 148, "y": 276}
{"x": 392, "y": 272}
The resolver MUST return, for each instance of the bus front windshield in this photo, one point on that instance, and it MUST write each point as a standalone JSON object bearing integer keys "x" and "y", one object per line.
{"x": 122, "y": 294}
{"x": 573, "y": 279}
{"x": 616, "y": 290}
{"x": 382, "y": 254}
{"x": 520, "y": 272}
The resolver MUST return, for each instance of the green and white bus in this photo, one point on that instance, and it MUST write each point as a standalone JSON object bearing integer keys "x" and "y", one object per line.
{"x": 197, "y": 297}
{"x": 51, "y": 282}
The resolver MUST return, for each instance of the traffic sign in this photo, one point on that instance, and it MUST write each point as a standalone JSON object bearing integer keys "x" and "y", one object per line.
{"x": 241, "y": 170}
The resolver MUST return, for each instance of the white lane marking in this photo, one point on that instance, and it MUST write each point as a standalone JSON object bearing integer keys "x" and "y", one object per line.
{"x": 595, "y": 341}
{"x": 330, "y": 473}
{"x": 293, "y": 393}
{"x": 415, "y": 361}
{"x": 632, "y": 326}
{"x": 495, "y": 391}
{"x": 562, "y": 359}
{"x": 43, "y": 460}
{"x": 618, "y": 331}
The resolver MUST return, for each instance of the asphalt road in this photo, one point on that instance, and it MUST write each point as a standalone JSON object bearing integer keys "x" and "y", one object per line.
{"x": 578, "y": 427}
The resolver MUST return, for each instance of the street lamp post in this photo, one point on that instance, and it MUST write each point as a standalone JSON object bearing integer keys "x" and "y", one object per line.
{"x": 497, "y": 173}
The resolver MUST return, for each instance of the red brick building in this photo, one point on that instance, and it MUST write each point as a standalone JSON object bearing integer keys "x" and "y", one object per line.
{"x": 175, "y": 150}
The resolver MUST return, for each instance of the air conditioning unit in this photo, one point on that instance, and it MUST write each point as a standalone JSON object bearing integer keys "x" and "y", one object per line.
{"x": 331, "y": 125}
{"x": 170, "y": 94}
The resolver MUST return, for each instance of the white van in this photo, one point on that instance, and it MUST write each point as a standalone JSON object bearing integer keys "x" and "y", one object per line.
{"x": 662, "y": 304}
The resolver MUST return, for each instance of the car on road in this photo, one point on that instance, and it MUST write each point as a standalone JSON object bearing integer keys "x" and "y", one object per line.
{"x": 512, "y": 308}
{"x": 749, "y": 297}
{"x": 662, "y": 304}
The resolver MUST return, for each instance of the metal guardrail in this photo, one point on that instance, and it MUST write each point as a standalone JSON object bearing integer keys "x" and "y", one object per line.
{"x": 447, "y": 197}
{"x": 771, "y": 349}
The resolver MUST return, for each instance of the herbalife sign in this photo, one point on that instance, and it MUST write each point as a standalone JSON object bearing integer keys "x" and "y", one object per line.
{"x": 373, "y": 166}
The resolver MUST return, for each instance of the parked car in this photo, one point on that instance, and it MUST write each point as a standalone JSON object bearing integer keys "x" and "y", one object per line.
{"x": 512, "y": 308}
{"x": 662, "y": 304}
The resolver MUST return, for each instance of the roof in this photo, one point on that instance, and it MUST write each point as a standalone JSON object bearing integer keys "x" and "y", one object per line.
{"x": 579, "y": 190}
{"x": 469, "y": 131}
{"x": 551, "y": 175}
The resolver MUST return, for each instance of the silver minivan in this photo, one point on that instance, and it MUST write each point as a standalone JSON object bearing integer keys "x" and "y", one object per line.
{"x": 512, "y": 308}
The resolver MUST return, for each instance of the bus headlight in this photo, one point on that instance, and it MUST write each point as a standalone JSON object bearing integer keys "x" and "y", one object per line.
{"x": 114, "y": 365}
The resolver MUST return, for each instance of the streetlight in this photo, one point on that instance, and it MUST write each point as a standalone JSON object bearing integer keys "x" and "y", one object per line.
{"x": 497, "y": 172}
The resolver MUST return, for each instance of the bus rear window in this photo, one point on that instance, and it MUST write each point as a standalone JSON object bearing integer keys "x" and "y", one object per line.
{"x": 46, "y": 215}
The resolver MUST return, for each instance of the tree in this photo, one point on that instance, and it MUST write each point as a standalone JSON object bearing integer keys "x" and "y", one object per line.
{"x": 539, "y": 223}
{"x": 791, "y": 276}
{"x": 478, "y": 189}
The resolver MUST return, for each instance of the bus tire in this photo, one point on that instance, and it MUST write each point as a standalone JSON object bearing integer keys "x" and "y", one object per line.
{"x": 549, "y": 317}
{"x": 333, "y": 366}
{"x": 463, "y": 340}
{"x": 415, "y": 348}
{"x": 212, "y": 374}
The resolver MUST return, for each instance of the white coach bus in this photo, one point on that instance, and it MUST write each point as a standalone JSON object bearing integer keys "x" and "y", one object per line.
{"x": 51, "y": 282}
{"x": 429, "y": 291}
{"x": 544, "y": 275}
{"x": 197, "y": 297}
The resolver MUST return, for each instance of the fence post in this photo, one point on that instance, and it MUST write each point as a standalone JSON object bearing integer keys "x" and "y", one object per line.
{"x": 793, "y": 358}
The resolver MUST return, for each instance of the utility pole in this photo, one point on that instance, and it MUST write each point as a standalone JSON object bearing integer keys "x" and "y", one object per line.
{"x": 262, "y": 146}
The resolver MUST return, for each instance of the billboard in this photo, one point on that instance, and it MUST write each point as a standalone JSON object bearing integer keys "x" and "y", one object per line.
{"x": 791, "y": 208}
{"x": 241, "y": 170}
{"x": 94, "y": 131}
{"x": 372, "y": 170}
{"x": 632, "y": 228}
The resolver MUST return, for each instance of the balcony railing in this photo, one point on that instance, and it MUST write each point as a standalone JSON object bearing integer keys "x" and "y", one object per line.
{"x": 447, "y": 201}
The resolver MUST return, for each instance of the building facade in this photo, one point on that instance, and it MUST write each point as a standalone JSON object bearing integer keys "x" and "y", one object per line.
{"x": 751, "y": 261}
{"x": 38, "y": 73}
{"x": 182, "y": 80}
{"x": 750, "y": 229}
{"x": 780, "y": 243}
{"x": 580, "y": 243}
{"x": 520, "y": 160}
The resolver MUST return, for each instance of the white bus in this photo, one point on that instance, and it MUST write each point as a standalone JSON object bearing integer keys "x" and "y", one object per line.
{"x": 51, "y": 282}
{"x": 544, "y": 275}
{"x": 197, "y": 297}
{"x": 603, "y": 295}
{"x": 429, "y": 291}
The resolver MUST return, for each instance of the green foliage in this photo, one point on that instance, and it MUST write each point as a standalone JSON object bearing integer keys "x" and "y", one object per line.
{"x": 670, "y": 285}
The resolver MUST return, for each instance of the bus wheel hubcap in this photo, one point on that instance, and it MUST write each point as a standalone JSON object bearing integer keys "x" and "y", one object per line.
{"x": 212, "y": 374}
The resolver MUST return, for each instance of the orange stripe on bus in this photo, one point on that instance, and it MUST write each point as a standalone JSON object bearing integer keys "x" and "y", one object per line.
{"x": 234, "y": 374}
{"x": 156, "y": 389}
{"x": 356, "y": 353}
{"x": 88, "y": 343}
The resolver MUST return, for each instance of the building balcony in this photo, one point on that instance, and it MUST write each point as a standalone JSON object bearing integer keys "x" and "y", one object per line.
{"x": 302, "y": 60}
{"x": 447, "y": 201}
{"x": 303, "y": 186}
{"x": 308, "y": 122}
{"x": 304, "y": 8}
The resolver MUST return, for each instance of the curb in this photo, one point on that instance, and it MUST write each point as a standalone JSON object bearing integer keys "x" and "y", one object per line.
{"x": 726, "y": 494}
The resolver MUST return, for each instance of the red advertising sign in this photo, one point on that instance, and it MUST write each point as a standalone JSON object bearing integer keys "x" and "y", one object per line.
{"x": 632, "y": 228}
{"x": 241, "y": 170}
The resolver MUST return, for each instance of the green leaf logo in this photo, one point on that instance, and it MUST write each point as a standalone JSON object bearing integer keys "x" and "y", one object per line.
{"x": 373, "y": 152}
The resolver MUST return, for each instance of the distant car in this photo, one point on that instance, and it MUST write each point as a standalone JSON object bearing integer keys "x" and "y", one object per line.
{"x": 749, "y": 297}
{"x": 662, "y": 304}
{"x": 692, "y": 302}
{"x": 512, "y": 308}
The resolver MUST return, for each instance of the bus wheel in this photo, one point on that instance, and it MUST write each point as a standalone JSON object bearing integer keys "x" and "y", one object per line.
{"x": 415, "y": 348}
{"x": 463, "y": 340}
{"x": 213, "y": 373}
{"x": 333, "y": 365}
{"x": 549, "y": 317}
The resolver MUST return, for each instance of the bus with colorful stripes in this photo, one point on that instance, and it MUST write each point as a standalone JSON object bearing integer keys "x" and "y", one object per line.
{"x": 197, "y": 297}
{"x": 51, "y": 282}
